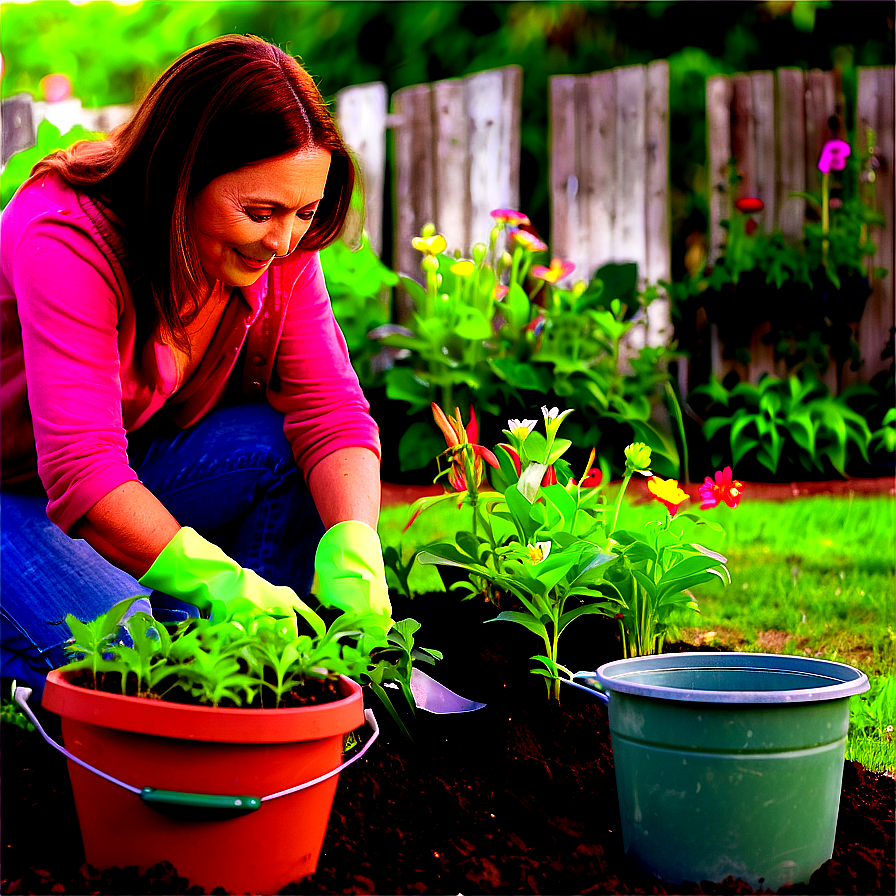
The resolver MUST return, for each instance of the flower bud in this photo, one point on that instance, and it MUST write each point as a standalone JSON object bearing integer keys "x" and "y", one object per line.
{"x": 637, "y": 456}
{"x": 478, "y": 252}
{"x": 428, "y": 230}
{"x": 430, "y": 264}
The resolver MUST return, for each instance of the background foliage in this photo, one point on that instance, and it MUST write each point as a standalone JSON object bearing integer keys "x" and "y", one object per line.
{"x": 112, "y": 52}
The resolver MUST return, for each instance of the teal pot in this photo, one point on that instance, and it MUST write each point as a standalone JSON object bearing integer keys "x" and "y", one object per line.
{"x": 728, "y": 763}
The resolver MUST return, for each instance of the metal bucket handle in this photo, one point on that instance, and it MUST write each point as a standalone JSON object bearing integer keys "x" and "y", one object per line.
{"x": 194, "y": 806}
{"x": 592, "y": 686}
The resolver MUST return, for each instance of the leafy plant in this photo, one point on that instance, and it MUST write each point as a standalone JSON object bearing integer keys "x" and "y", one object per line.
{"x": 497, "y": 329}
{"x": 796, "y": 419}
{"x": 545, "y": 549}
{"x": 247, "y": 658}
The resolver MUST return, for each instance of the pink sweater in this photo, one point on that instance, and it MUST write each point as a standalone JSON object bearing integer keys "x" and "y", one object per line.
{"x": 74, "y": 382}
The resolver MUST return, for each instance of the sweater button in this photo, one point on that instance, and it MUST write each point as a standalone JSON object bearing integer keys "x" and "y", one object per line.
{"x": 258, "y": 360}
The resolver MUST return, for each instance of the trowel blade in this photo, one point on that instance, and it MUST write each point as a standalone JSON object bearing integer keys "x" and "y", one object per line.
{"x": 436, "y": 698}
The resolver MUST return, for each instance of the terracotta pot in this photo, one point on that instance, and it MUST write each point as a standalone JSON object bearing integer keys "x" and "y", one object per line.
{"x": 201, "y": 749}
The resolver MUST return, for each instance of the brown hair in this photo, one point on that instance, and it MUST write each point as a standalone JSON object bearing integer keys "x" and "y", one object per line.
{"x": 225, "y": 104}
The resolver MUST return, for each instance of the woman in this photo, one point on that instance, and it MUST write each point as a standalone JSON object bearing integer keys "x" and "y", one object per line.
{"x": 156, "y": 288}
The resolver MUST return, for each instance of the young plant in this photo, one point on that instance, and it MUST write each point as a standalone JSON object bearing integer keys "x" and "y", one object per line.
{"x": 544, "y": 548}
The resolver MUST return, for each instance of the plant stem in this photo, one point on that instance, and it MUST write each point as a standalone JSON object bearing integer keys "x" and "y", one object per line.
{"x": 622, "y": 488}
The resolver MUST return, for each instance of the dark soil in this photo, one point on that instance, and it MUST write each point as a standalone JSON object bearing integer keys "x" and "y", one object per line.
{"x": 518, "y": 797}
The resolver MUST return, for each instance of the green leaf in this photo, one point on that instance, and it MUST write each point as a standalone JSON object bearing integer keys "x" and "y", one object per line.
{"x": 523, "y": 619}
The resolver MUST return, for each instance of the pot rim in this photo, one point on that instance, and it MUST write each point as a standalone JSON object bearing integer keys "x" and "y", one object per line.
{"x": 844, "y": 681}
{"x": 140, "y": 715}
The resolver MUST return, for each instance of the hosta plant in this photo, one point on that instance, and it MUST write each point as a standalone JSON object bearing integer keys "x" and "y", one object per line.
{"x": 546, "y": 548}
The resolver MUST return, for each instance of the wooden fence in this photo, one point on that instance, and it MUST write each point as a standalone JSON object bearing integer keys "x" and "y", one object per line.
{"x": 456, "y": 156}
{"x": 774, "y": 125}
{"x": 610, "y": 175}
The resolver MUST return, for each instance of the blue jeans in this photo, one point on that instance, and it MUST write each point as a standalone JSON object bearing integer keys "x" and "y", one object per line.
{"x": 232, "y": 477}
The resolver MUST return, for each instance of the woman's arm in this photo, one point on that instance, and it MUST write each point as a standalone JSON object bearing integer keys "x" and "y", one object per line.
{"x": 345, "y": 485}
{"x": 129, "y": 527}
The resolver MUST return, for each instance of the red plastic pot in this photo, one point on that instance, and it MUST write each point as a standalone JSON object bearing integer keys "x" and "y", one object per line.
{"x": 204, "y": 750}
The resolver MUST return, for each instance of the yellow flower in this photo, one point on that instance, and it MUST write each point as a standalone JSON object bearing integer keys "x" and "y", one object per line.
{"x": 463, "y": 268}
{"x": 430, "y": 245}
{"x": 667, "y": 492}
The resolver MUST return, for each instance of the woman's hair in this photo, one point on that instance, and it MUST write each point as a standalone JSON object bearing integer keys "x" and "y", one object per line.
{"x": 227, "y": 103}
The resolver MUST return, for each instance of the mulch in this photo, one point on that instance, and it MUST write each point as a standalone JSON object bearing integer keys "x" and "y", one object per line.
{"x": 518, "y": 797}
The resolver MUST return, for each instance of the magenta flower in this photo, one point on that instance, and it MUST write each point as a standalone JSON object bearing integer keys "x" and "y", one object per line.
{"x": 725, "y": 488}
{"x": 833, "y": 156}
{"x": 500, "y": 292}
{"x": 555, "y": 272}
{"x": 509, "y": 216}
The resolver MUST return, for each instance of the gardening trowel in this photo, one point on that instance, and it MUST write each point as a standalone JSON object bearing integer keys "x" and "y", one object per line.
{"x": 435, "y": 697}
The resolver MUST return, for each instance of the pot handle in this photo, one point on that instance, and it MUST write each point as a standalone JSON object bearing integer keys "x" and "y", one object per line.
{"x": 591, "y": 686}
{"x": 162, "y": 799}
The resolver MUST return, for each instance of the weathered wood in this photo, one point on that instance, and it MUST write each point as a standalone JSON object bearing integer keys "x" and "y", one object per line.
{"x": 413, "y": 179}
{"x": 17, "y": 126}
{"x": 790, "y": 124}
{"x": 609, "y": 175}
{"x": 457, "y": 157}
{"x": 494, "y": 110}
{"x": 874, "y": 111}
{"x": 719, "y": 154}
{"x": 361, "y": 117}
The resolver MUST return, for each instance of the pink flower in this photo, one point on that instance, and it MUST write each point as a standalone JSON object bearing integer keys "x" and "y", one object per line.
{"x": 500, "y": 292}
{"x": 725, "y": 488}
{"x": 833, "y": 156}
{"x": 528, "y": 241}
{"x": 56, "y": 87}
{"x": 509, "y": 216}
{"x": 557, "y": 271}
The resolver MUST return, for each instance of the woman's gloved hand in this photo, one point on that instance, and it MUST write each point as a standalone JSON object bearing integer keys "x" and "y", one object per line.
{"x": 198, "y": 572}
{"x": 350, "y": 572}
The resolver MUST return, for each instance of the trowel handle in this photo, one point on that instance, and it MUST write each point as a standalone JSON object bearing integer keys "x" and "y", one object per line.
{"x": 591, "y": 685}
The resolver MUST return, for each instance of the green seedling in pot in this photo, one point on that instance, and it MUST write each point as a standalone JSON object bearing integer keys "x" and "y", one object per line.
{"x": 545, "y": 547}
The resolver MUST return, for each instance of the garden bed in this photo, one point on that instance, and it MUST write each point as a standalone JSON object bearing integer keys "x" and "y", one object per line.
{"x": 516, "y": 798}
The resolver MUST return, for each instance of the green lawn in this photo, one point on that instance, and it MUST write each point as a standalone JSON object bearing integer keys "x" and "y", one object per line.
{"x": 812, "y": 576}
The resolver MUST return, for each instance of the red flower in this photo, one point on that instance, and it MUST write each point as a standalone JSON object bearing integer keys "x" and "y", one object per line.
{"x": 749, "y": 204}
{"x": 592, "y": 478}
{"x": 725, "y": 488}
{"x": 459, "y": 440}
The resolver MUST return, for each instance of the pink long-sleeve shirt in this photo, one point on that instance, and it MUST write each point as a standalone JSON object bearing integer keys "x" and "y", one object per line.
{"x": 74, "y": 381}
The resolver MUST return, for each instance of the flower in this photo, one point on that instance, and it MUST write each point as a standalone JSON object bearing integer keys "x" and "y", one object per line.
{"x": 550, "y": 474}
{"x": 459, "y": 439}
{"x": 833, "y": 156}
{"x": 56, "y": 87}
{"x": 553, "y": 418}
{"x": 725, "y": 488}
{"x": 555, "y": 272}
{"x": 463, "y": 268}
{"x": 540, "y": 551}
{"x": 592, "y": 478}
{"x": 509, "y": 216}
{"x": 536, "y": 325}
{"x": 521, "y": 428}
{"x": 500, "y": 292}
{"x": 637, "y": 457}
{"x": 749, "y": 204}
{"x": 430, "y": 245}
{"x": 528, "y": 241}
{"x": 667, "y": 492}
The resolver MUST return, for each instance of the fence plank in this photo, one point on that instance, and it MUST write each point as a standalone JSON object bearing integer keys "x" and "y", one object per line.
{"x": 453, "y": 208}
{"x": 790, "y": 122}
{"x": 658, "y": 232}
{"x": 17, "y": 127}
{"x": 874, "y": 110}
{"x": 631, "y": 109}
{"x": 414, "y": 194}
{"x": 361, "y": 116}
{"x": 719, "y": 152}
{"x": 494, "y": 101}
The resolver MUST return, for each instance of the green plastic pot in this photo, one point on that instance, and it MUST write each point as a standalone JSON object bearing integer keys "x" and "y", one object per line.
{"x": 728, "y": 763}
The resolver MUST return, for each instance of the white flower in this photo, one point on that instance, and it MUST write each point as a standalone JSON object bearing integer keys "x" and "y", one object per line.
{"x": 540, "y": 551}
{"x": 552, "y": 413}
{"x": 521, "y": 428}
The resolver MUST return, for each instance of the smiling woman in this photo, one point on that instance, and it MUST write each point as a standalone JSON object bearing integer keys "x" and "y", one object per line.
{"x": 180, "y": 417}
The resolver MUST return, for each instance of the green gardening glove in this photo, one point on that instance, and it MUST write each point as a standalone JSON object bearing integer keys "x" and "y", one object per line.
{"x": 200, "y": 573}
{"x": 350, "y": 572}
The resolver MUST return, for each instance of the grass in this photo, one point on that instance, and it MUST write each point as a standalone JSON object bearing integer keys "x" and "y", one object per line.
{"x": 813, "y": 577}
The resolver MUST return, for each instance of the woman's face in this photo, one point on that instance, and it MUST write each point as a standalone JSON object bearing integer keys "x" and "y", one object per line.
{"x": 242, "y": 219}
